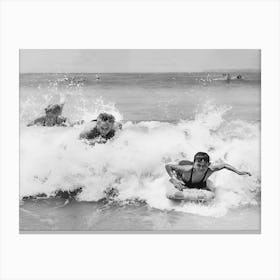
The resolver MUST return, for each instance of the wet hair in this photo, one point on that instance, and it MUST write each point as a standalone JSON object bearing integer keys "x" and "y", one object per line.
{"x": 54, "y": 108}
{"x": 106, "y": 117}
{"x": 200, "y": 156}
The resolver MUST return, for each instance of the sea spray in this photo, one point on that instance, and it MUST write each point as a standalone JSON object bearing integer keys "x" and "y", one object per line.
{"x": 54, "y": 159}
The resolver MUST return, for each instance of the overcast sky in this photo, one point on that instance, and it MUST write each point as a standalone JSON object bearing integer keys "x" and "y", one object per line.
{"x": 61, "y": 61}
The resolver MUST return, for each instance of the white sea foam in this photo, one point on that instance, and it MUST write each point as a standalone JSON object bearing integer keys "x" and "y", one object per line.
{"x": 134, "y": 162}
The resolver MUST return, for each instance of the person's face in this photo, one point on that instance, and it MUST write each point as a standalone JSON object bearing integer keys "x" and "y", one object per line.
{"x": 54, "y": 113}
{"x": 104, "y": 127}
{"x": 201, "y": 166}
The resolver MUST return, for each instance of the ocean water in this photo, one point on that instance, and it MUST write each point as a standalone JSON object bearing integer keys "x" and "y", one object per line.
{"x": 166, "y": 117}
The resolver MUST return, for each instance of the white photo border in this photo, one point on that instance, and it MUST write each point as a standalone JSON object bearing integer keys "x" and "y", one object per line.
{"x": 139, "y": 25}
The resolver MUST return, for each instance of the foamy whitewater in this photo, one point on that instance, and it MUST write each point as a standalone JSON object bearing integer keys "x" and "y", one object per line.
{"x": 52, "y": 158}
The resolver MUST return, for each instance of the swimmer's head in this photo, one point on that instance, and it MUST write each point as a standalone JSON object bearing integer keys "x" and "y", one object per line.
{"x": 54, "y": 109}
{"x": 105, "y": 123}
{"x": 201, "y": 161}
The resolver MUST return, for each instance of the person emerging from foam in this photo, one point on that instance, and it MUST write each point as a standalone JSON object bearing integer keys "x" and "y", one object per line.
{"x": 191, "y": 178}
{"x": 53, "y": 117}
{"x": 101, "y": 130}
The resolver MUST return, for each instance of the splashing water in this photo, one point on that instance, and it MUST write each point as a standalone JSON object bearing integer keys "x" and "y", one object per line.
{"x": 54, "y": 159}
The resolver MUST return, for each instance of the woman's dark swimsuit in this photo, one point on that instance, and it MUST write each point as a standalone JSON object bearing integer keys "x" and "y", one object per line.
{"x": 191, "y": 185}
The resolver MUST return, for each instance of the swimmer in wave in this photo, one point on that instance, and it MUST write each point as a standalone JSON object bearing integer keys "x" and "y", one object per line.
{"x": 53, "y": 117}
{"x": 191, "y": 178}
{"x": 101, "y": 130}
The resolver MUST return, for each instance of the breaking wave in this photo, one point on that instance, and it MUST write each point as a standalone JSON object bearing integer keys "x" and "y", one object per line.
{"x": 53, "y": 159}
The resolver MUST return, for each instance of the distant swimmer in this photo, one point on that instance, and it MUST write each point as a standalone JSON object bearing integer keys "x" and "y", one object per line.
{"x": 101, "y": 130}
{"x": 53, "y": 117}
{"x": 191, "y": 178}
{"x": 239, "y": 77}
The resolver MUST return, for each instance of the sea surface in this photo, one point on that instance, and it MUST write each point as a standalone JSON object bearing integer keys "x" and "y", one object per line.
{"x": 166, "y": 117}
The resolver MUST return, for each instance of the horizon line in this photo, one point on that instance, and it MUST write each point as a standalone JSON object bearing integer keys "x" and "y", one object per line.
{"x": 158, "y": 72}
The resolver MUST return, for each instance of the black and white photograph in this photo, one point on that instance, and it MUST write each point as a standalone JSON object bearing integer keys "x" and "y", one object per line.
{"x": 140, "y": 140}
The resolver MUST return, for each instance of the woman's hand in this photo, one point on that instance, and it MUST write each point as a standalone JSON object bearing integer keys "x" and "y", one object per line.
{"x": 177, "y": 184}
